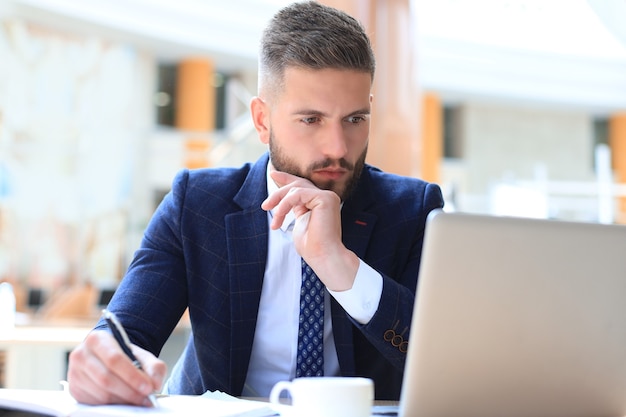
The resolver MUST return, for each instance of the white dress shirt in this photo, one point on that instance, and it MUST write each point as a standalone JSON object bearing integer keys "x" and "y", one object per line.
{"x": 274, "y": 350}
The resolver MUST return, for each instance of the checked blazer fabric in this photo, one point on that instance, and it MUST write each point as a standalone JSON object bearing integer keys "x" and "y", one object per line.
{"x": 205, "y": 250}
{"x": 310, "y": 356}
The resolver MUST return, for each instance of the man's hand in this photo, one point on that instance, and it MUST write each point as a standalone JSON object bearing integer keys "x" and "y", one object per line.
{"x": 100, "y": 373}
{"x": 317, "y": 232}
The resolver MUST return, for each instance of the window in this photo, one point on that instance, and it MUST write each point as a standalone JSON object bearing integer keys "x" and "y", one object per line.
{"x": 165, "y": 97}
{"x": 452, "y": 138}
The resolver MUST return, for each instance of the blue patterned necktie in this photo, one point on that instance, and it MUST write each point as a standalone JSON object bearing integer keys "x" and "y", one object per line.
{"x": 310, "y": 359}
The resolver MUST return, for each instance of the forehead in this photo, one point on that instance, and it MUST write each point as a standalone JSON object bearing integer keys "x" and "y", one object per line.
{"x": 326, "y": 87}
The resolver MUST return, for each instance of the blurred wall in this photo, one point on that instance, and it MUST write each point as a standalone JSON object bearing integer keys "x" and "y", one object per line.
{"x": 74, "y": 116}
{"x": 507, "y": 144}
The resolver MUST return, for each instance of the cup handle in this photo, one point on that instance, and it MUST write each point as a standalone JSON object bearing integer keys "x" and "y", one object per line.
{"x": 277, "y": 389}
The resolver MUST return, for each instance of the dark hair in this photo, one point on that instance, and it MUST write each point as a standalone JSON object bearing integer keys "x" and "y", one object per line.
{"x": 314, "y": 36}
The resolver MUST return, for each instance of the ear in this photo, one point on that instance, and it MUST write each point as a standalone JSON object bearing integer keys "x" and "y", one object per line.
{"x": 261, "y": 118}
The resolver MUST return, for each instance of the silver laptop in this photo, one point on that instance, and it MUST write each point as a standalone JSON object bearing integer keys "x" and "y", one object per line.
{"x": 518, "y": 317}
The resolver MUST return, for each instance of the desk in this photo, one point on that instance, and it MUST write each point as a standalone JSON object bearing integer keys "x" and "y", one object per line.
{"x": 36, "y": 355}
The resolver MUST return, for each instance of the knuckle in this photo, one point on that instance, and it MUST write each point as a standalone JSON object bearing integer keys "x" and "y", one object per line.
{"x": 102, "y": 378}
{"x": 115, "y": 359}
{"x": 77, "y": 354}
{"x": 93, "y": 340}
{"x": 293, "y": 190}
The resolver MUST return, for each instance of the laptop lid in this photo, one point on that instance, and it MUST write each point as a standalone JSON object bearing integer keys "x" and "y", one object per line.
{"x": 518, "y": 317}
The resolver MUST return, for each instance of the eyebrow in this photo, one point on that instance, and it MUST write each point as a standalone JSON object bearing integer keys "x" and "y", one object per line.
{"x": 364, "y": 111}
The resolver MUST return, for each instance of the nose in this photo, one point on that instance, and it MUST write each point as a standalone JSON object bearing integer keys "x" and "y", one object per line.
{"x": 335, "y": 141}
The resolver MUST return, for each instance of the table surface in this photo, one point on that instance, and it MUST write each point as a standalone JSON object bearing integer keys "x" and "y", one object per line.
{"x": 53, "y": 332}
{"x": 62, "y": 335}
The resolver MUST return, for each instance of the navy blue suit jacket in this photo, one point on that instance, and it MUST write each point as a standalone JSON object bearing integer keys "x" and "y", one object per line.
{"x": 206, "y": 247}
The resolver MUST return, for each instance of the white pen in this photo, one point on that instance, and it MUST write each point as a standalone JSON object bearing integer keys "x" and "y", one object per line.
{"x": 122, "y": 339}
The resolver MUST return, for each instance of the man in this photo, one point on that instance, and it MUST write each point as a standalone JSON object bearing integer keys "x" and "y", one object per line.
{"x": 224, "y": 242}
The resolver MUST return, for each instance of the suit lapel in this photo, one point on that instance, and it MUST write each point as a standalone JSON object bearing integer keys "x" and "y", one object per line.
{"x": 357, "y": 226}
{"x": 247, "y": 232}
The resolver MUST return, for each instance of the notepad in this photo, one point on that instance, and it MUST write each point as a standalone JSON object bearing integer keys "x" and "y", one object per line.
{"x": 61, "y": 404}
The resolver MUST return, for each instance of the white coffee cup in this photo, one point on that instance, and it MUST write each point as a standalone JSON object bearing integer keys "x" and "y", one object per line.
{"x": 327, "y": 396}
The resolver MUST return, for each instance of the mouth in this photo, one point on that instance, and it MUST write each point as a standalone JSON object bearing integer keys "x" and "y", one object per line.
{"x": 331, "y": 173}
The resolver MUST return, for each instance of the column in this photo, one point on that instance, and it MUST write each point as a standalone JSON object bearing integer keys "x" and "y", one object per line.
{"x": 432, "y": 137}
{"x": 617, "y": 143}
{"x": 395, "y": 144}
{"x": 195, "y": 109}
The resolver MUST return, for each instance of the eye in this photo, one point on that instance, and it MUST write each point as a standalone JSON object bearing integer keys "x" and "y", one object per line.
{"x": 310, "y": 120}
{"x": 355, "y": 119}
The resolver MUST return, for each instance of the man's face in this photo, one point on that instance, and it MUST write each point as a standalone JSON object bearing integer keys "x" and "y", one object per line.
{"x": 319, "y": 126}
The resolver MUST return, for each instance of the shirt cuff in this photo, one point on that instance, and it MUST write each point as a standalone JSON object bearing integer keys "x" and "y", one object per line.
{"x": 361, "y": 301}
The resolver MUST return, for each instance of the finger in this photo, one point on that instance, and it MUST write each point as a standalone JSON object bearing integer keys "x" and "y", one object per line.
{"x": 80, "y": 386}
{"x": 282, "y": 178}
{"x": 275, "y": 198}
{"x": 295, "y": 199}
{"x": 285, "y": 183}
{"x": 89, "y": 380}
{"x": 301, "y": 226}
{"x": 91, "y": 390}
{"x": 107, "y": 373}
{"x": 128, "y": 383}
{"x": 155, "y": 368}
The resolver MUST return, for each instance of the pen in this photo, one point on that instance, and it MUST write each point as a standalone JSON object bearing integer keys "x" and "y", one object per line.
{"x": 122, "y": 339}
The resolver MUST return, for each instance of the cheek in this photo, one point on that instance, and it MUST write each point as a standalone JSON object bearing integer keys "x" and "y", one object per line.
{"x": 292, "y": 143}
{"x": 358, "y": 136}
{"x": 294, "y": 138}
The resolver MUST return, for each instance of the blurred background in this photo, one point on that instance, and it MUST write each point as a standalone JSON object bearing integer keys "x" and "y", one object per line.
{"x": 515, "y": 107}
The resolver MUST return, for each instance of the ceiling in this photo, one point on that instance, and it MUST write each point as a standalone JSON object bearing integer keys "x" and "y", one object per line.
{"x": 559, "y": 52}
{"x": 228, "y": 31}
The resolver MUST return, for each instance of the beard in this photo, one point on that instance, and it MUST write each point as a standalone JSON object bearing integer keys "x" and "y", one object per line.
{"x": 282, "y": 162}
